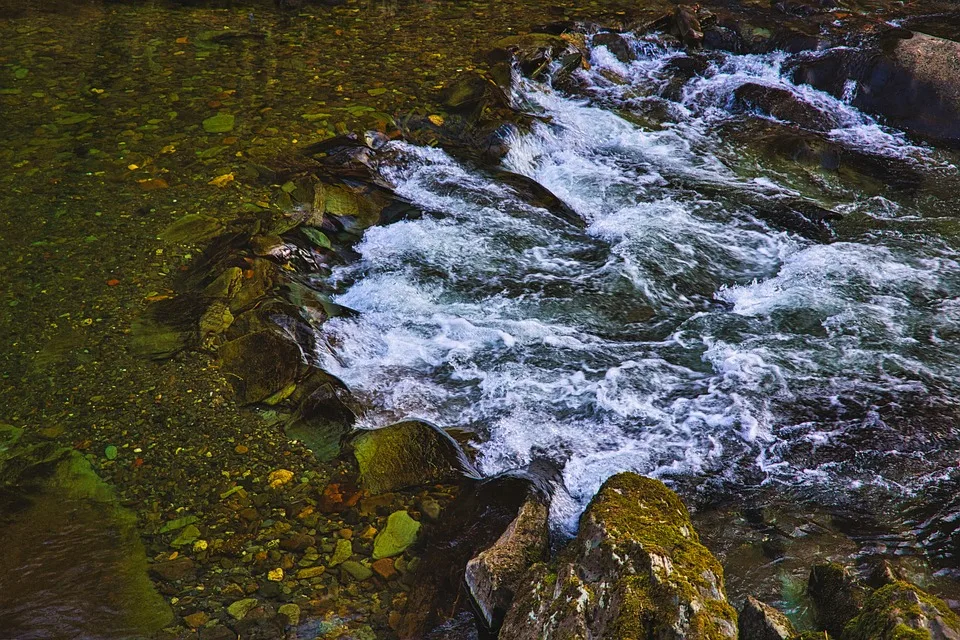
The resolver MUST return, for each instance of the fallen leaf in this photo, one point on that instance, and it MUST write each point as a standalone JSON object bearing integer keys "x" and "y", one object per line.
{"x": 435, "y": 119}
{"x": 183, "y": 40}
{"x": 222, "y": 181}
{"x": 112, "y": 282}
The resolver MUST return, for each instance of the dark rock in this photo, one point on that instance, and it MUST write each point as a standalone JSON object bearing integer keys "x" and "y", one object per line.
{"x": 174, "y": 570}
{"x": 635, "y": 570}
{"x": 912, "y": 80}
{"x": 409, "y": 454}
{"x": 323, "y": 418}
{"x": 475, "y": 522}
{"x": 259, "y": 364}
{"x": 782, "y": 104}
{"x": 836, "y": 596}
{"x": 688, "y": 25}
{"x": 297, "y": 542}
{"x": 615, "y": 44}
{"x": 900, "y": 611}
{"x": 534, "y": 53}
{"x": 495, "y": 574}
{"x": 759, "y": 621}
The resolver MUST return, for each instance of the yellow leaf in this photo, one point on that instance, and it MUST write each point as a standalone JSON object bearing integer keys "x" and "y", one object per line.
{"x": 435, "y": 119}
{"x": 222, "y": 181}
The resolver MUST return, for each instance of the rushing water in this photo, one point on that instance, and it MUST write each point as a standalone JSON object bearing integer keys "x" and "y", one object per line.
{"x": 679, "y": 335}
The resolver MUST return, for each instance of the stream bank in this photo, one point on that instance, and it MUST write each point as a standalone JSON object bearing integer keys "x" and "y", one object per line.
{"x": 270, "y": 522}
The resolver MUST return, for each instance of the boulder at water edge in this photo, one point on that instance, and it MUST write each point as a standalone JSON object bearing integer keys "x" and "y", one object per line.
{"x": 635, "y": 570}
{"x": 902, "y": 611}
{"x": 408, "y": 454}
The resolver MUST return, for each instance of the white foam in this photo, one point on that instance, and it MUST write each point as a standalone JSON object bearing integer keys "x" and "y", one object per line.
{"x": 673, "y": 337}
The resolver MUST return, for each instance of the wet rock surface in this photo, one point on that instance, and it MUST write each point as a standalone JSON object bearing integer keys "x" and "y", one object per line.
{"x": 408, "y": 454}
{"x": 636, "y": 569}
{"x": 268, "y": 549}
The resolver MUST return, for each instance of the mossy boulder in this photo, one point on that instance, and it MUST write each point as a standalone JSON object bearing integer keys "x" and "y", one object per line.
{"x": 635, "y": 570}
{"x": 902, "y": 611}
{"x": 836, "y": 596}
{"x": 408, "y": 454}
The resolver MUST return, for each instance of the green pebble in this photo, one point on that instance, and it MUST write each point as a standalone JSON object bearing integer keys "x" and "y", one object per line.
{"x": 401, "y": 531}
{"x": 110, "y": 452}
{"x": 220, "y": 123}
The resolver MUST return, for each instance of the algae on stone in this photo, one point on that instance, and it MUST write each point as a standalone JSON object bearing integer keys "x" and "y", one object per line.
{"x": 902, "y": 611}
{"x": 401, "y": 531}
{"x": 635, "y": 570}
{"x": 408, "y": 454}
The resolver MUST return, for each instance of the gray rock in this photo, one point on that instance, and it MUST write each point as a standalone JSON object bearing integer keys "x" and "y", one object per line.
{"x": 495, "y": 574}
{"x": 759, "y": 621}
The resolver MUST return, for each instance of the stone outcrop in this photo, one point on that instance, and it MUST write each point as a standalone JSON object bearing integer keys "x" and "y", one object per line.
{"x": 910, "y": 79}
{"x": 902, "y": 611}
{"x": 635, "y": 570}
{"x": 836, "y": 596}
{"x": 495, "y": 574}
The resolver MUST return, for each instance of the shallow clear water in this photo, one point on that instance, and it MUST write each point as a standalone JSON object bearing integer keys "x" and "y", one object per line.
{"x": 679, "y": 335}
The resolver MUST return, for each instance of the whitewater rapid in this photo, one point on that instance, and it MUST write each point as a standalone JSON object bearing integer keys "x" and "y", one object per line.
{"x": 679, "y": 335}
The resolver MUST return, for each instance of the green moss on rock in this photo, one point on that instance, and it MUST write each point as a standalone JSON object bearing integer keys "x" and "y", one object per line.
{"x": 408, "y": 454}
{"x": 636, "y": 570}
{"x": 902, "y": 611}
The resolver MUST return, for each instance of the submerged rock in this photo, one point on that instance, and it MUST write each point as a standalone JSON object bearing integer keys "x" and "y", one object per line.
{"x": 759, "y": 621}
{"x": 409, "y": 454}
{"x": 259, "y": 364}
{"x": 782, "y": 104}
{"x": 635, "y": 570}
{"x": 836, "y": 596}
{"x": 902, "y": 611}
{"x": 323, "y": 417}
{"x": 401, "y": 532}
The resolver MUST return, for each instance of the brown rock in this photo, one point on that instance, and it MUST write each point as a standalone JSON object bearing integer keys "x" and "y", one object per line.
{"x": 195, "y": 620}
{"x": 384, "y": 568}
{"x": 759, "y": 621}
{"x": 494, "y": 575}
{"x": 297, "y": 542}
{"x": 259, "y": 364}
{"x": 174, "y": 570}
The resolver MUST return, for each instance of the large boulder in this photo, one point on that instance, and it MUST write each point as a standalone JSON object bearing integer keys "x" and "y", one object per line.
{"x": 409, "y": 454}
{"x": 901, "y": 610}
{"x": 635, "y": 570}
